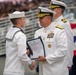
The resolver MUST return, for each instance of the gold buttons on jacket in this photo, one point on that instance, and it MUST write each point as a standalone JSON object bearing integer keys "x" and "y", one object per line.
{"x": 49, "y": 45}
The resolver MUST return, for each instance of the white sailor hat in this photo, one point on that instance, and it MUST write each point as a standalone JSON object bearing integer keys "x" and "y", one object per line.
{"x": 56, "y": 4}
{"x": 16, "y": 14}
{"x": 44, "y": 12}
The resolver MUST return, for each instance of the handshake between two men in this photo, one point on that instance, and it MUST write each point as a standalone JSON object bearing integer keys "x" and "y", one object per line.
{"x": 40, "y": 59}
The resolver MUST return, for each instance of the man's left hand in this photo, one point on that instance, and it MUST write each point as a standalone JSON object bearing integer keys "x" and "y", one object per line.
{"x": 41, "y": 58}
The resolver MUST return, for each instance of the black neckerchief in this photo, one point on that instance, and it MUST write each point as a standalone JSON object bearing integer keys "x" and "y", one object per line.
{"x": 19, "y": 28}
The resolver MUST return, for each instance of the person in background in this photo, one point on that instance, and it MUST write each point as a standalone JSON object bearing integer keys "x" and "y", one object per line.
{"x": 16, "y": 52}
{"x": 59, "y": 7}
{"x": 55, "y": 43}
{"x": 73, "y": 69}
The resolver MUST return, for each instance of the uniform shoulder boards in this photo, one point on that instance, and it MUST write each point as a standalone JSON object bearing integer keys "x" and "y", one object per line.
{"x": 60, "y": 27}
{"x": 64, "y": 20}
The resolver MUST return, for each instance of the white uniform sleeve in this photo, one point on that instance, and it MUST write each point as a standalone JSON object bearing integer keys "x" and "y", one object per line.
{"x": 60, "y": 53}
{"x": 22, "y": 48}
{"x": 70, "y": 42}
{"x": 36, "y": 35}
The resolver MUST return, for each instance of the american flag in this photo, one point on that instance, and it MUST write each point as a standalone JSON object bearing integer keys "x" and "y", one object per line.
{"x": 73, "y": 26}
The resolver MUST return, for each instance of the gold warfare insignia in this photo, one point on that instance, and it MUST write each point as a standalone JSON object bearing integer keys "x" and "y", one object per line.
{"x": 50, "y": 35}
{"x": 60, "y": 27}
{"x": 63, "y": 20}
{"x": 49, "y": 45}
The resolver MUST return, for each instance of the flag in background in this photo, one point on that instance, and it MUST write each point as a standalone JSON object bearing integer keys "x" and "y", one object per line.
{"x": 73, "y": 26}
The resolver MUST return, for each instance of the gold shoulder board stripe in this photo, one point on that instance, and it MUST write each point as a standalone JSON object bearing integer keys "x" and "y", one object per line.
{"x": 63, "y": 20}
{"x": 60, "y": 27}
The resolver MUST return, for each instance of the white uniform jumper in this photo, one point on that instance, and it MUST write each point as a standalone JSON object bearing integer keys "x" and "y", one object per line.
{"x": 15, "y": 52}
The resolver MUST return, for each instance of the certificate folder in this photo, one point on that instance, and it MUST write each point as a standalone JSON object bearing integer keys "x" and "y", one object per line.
{"x": 36, "y": 47}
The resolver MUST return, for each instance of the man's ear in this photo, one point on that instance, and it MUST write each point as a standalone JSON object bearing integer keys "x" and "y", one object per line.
{"x": 60, "y": 10}
{"x": 18, "y": 20}
{"x": 49, "y": 18}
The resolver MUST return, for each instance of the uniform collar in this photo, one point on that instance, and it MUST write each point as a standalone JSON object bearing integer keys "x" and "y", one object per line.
{"x": 50, "y": 27}
{"x": 18, "y": 28}
{"x": 59, "y": 18}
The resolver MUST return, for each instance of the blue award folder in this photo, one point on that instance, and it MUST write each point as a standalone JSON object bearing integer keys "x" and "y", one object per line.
{"x": 36, "y": 47}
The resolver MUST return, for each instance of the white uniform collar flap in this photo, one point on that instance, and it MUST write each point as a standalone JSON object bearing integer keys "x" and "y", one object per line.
{"x": 11, "y": 33}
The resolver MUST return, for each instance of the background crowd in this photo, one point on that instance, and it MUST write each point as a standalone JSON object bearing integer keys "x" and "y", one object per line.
{"x": 8, "y": 6}
{"x": 22, "y": 5}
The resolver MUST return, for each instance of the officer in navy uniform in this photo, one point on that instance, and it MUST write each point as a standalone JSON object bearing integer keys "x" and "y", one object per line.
{"x": 16, "y": 52}
{"x": 55, "y": 43}
{"x": 59, "y": 7}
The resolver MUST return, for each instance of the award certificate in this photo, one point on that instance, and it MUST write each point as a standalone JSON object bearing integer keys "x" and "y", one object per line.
{"x": 36, "y": 48}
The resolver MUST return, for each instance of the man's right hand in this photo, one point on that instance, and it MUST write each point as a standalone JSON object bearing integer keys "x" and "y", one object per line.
{"x": 32, "y": 65}
{"x": 28, "y": 52}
